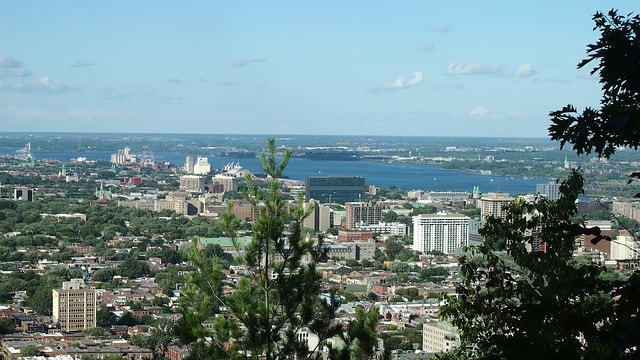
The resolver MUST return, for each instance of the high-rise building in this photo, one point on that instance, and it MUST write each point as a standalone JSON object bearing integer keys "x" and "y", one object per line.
{"x": 192, "y": 183}
{"x": 334, "y": 189}
{"x": 442, "y": 232}
{"x": 625, "y": 247}
{"x": 74, "y": 306}
{"x": 123, "y": 156}
{"x": 550, "y": 190}
{"x": 362, "y": 213}
{"x": 439, "y": 337}
{"x": 23, "y": 193}
{"x": 227, "y": 183}
{"x": 494, "y": 204}
{"x": 201, "y": 167}
{"x": 188, "y": 164}
{"x": 320, "y": 217}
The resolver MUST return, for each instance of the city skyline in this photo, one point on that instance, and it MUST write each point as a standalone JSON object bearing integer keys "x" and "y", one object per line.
{"x": 330, "y": 68}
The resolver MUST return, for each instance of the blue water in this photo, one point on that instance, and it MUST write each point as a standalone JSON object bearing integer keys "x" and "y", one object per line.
{"x": 382, "y": 174}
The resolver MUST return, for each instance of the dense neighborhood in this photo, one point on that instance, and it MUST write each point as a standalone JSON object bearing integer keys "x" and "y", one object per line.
{"x": 94, "y": 258}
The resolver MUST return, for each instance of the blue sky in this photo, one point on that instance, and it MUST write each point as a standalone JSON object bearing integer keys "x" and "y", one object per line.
{"x": 424, "y": 68}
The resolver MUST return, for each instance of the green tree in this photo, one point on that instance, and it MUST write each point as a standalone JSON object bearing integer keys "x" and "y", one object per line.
{"x": 616, "y": 124}
{"x": 545, "y": 304}
{"x": 279, "y": 296}
{"x": 29, "y": 350}
{"x": 7, "y": 326}
{"x": 360, "y": 338}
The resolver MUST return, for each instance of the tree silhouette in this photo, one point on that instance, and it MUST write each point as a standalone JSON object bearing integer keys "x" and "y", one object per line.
{"x": 539, "y": 302}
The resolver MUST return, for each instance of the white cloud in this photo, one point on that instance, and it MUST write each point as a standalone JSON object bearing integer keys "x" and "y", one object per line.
{"x": 401, "y": 83}
{"x": 471, "y": 69}
{"x": 10, "y": 67}
{"x": 525, "y": 70}
{"x": 40, "y": 86}
{"x": 245, "y": 62}
{"x": 480, "y": 111}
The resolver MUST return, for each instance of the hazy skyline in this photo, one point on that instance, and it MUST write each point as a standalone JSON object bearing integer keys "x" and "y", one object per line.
{"x": 423, "y": 68}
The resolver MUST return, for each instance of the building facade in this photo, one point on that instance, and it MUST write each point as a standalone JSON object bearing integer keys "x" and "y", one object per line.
{"x": 439, "y": 337}
{"x": 320, "y": 218}
{"x": 362, "y": 213}
{"x": 550, "y": 191}
{"x": 201, "y": 167}
{"x": 354, "y": 235}
{"x": 226, "y": 183}
{"x": 494, "y": 204}
{"x": 74, "y": 306}
{"x": 442, "y": 232}
{"x": 334, "y": 189}
{"x": 192, "y": 183}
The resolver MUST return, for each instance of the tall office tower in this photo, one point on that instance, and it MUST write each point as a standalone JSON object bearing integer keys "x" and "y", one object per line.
{"x": 192, "y": 183}
{"x": 188, "y": 164}
{"x": 494, "y": 204}
{"x": 74, "y": 306}
{"x": 440, "y": 232}
{"x": 201, "y": 167}
{"x": 550, "y": 190}
{"x": 362, "y": 213}
{"x": 334, "y": 189}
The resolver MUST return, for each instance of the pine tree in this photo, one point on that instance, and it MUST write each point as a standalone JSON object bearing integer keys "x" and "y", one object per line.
{"x": 275, "y": 299}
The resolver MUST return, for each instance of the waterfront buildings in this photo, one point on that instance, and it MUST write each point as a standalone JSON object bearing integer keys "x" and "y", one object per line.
{"x": 74, "y": 306}
{"x": 188, "y": 164}
{"x": 442, "y": 232}
{"x": 362, "y": 213}
{"x": 123, "y": 157}
{"x": 201, "y": 167}
{"x": 334, "y": 189}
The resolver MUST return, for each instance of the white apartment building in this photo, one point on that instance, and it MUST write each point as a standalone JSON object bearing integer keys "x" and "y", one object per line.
{"x": 439, "y": 337}
{"x": 625, "y": 247}
{"x": 442, "y": 232}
